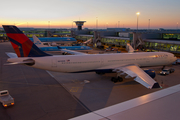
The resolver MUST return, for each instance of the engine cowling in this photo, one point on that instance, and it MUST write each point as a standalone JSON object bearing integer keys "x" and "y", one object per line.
{"x": 150, "y": 72}
{"x": 29, "y": 62}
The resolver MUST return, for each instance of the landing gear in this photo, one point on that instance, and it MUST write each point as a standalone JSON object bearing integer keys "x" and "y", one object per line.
{"x": 116, "y": 79}
{"x": 163, "y": 67}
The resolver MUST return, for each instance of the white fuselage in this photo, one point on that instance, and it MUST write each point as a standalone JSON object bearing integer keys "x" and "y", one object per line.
{"x": 80, "y": 63}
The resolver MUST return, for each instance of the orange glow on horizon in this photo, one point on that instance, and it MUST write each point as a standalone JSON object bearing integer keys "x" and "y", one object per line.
{"x": 102, "y": 24}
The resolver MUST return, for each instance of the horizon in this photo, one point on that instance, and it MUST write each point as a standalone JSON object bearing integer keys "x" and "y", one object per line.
{"x": 154, "y": 14}
{"x": 44, "y": 27}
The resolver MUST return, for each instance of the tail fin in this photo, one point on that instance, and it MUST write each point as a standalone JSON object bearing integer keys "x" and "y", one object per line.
{"x": 129, "y": 48}
{"x": 22, "y": 45}
{"x": 37, "y": 42}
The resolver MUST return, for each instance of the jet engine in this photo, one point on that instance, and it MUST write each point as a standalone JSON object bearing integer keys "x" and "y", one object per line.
{"x": 29, "y": 62}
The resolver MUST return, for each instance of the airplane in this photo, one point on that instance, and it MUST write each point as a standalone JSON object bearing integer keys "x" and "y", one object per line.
{"x": 122, "y": 63}
{"x": 56, "y": 40}
{"x": 129, "y": 48}
{"x": 43, "y": 47}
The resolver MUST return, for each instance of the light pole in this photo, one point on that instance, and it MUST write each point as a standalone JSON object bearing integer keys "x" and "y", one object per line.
{"x": 137, "y": 19}
{"x": 96, "y": 23}
{"x": 177, "y": 25}
{"x": 72, "y": 24}
{"x": 149, "y": 24}
{"x": 49, "y": 25}
{"x": 118, "y": 23}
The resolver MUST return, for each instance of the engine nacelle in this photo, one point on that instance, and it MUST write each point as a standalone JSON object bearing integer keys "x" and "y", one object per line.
{"x": 30, "y": 62}
{"x": 150, "y": 72}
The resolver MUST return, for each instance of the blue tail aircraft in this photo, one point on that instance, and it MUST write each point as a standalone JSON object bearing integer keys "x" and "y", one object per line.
{"x": 56, "y": 39}
{"x": 39, "y": 44}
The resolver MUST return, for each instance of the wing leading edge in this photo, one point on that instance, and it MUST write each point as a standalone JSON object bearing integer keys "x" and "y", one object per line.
{"x": 140, "y": 76}
{"x": 71, "y": 51}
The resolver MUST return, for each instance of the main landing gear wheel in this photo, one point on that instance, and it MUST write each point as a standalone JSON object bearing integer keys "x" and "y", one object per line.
{"x": 116, "y": 79}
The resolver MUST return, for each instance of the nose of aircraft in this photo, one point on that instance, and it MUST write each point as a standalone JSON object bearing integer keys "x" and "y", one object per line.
{"x": 172, "y": 58}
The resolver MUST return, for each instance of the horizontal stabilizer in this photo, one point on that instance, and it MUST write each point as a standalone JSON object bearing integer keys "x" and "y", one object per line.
{"x": 12, "y": 55}
{"x": 27, "y": 62}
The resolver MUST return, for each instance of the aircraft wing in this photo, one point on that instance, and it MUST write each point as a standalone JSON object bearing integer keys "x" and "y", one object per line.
{"x": 71, "y": 51}
{"x": 140, "y": 76}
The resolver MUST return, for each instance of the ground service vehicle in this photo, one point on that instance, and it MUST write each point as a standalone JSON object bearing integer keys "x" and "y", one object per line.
{"x": 167, "y": 71}
{"x": 6, "y": 99}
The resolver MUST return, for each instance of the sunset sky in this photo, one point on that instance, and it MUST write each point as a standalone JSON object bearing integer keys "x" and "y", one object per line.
{"x": 62, "y": 13}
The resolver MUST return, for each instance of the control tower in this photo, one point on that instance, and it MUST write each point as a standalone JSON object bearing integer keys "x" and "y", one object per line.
{"x": 79, "y": 24}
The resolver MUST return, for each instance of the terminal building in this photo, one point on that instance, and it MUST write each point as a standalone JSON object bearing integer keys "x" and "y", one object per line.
{"x": 146, "y": 40}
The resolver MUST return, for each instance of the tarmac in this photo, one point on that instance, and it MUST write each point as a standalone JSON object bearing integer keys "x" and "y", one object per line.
{"x": 37, "y": 95}
{"x": 45, "y": 95}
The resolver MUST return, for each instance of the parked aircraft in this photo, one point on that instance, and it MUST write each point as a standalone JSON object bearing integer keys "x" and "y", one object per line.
{"x": 123, "y": 63}
{"x": 56, "y": 40}
{"x": 129, "y": 48}
{"x": 43, "y": 47}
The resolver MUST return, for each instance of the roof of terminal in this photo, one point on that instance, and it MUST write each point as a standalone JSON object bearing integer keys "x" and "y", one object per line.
{"x": 124, "y": 38}
{"x": 86, "y": 35}
{"x": 162, "y": 41}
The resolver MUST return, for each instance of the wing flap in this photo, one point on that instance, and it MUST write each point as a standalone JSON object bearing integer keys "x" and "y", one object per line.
{"x": 139, "y": 80}
{"x": 140, "y": 76}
